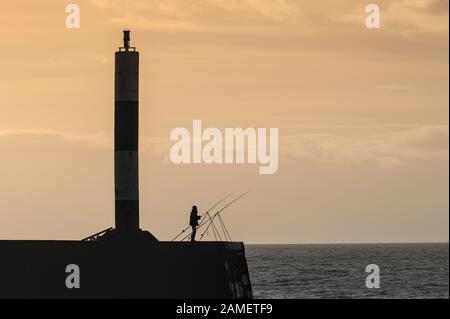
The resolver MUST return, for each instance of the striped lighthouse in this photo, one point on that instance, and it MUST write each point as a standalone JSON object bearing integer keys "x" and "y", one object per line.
{"x": 126, "y": 132}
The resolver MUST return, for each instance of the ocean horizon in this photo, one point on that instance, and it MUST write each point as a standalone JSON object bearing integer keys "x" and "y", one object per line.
{"x": 335, "y": 271}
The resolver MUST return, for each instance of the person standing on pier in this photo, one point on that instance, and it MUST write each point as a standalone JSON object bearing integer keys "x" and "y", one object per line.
{"x": 194, "y": 222}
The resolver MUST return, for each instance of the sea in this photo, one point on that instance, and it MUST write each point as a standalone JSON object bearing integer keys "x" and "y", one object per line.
{"x": 406, "y": 271}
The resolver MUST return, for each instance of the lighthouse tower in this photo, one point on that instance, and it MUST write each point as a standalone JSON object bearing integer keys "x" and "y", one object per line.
{"x": 126, "y": 137}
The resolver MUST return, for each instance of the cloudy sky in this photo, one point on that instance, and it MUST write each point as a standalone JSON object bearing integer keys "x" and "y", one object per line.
{"x": 362, "y": 116}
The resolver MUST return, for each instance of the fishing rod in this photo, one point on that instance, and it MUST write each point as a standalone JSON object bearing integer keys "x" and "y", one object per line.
{"x": 205, "y": 214}
{"x": 232, "y": 202}
{"x": 214, "y": 206}
{"x": 224, "y": 229}
{"x": 211, "y": 218}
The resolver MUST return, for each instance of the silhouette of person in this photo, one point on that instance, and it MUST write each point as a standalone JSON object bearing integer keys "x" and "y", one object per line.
{"x": 194, "y": 222}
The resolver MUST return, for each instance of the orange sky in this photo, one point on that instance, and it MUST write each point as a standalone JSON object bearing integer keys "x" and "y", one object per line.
{"x": 362, "y": 116}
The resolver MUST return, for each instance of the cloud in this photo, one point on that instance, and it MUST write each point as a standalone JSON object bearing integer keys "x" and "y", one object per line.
{"x": 155, "y": 145}
{"x": 405, "y": 16}
{"x": 400, "y": 15}
{"x": 386, "y": 149}
{"x": 437, "y": 7}
{"x": 395, "y": 87}
{"x": 96, "y": 140}
{"x": 194, "y": 13}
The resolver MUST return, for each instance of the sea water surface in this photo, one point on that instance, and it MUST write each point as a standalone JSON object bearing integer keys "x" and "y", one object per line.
{"x": 339, "y": 271}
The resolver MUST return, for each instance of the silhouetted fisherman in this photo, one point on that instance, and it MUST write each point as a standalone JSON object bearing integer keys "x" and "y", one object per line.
{"x": 194, "y": 222}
